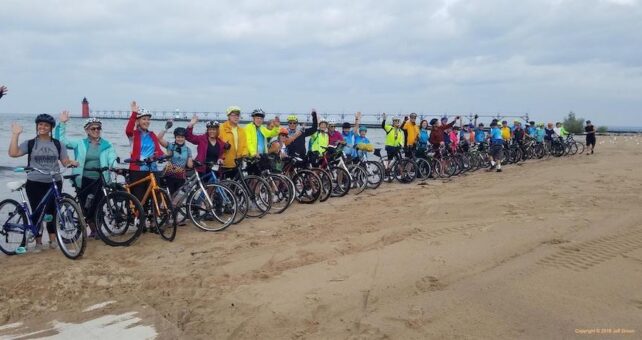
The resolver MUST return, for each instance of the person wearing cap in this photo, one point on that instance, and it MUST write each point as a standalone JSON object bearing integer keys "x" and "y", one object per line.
{"x": 319, "y": 141}
{"x": 349, "y": 133}
{"x": 209, "y": 146}
{"x": 235, "y": 141}
{"x": 437, "y": 135}
{"x": 395, "y": 137}
{"x": 496, "y": 146}
{"x": 334, "y": 137}
{"x": 531, "y": 130}
{"x": 506, "y": 131}
{"x": 145, "y": 145}
{"x": 412, "y": 130}
{"x": 480, "y": 134}
{"x": 540, "y": 133}
{"x": 93, "y": 151}
{"x": 258, "y": 134}
{"x": 297, "y": 146}
{"x": 590, "y": 137}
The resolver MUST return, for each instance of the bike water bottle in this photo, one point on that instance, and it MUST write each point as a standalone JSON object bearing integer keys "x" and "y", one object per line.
{"x": 48, "y": 218}
{"x": 178, "y": 196}
{"x": 89, "y": 201}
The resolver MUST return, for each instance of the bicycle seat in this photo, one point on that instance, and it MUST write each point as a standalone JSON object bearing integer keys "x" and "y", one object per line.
{"x": 16, "y": 185}
{"x": 70, "y": 176}
{"x": 377, "y": 152}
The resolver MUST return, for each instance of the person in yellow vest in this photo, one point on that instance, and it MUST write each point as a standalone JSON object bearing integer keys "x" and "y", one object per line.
{"x": 235, "y": 141}
{"x": 319, "y": 141}
{"x": 257, "y": 137}
{"x": 395, "y": 137}
{"x": 412, "y": 130}
{"x": 506, "y": 132}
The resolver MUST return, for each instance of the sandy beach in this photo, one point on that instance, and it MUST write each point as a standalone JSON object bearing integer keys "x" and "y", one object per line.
{"x": 549, "y": 249}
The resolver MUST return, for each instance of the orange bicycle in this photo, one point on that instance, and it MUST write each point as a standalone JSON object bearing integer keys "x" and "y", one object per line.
{"x": 156, "y": 201}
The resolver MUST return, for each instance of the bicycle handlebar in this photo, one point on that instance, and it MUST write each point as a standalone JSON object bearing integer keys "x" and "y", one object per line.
{"x": 28, "y": 169}
{"x": 146, "y": 161}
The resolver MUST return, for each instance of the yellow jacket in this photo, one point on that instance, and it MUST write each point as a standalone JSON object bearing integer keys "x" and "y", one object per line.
{"x": 412, "y": 131}
{"x": 235, "y": 151}
{"x": 506, "y": 133}
{"x": 252, "y": 138}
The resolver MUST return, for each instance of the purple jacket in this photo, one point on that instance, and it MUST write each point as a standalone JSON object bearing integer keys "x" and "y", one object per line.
{"x": 201, "y": 142}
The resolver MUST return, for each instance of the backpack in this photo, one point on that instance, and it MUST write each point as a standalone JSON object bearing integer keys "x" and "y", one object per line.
{"x": 32, "y": 142}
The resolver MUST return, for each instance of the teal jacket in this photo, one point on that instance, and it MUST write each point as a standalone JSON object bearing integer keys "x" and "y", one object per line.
{"x": 80, "y": 146}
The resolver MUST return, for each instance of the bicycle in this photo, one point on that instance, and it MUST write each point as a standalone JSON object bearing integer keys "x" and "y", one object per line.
{"x": 20, "y": 225}
{"x": 211, "y": 206}
{"x": 156, "y": 200}
{"x": 257, "y": 189}
{"x": 307, "y": 184}
{"x": 119, "y": 215}
{"x": 331, "y": 161}
{"x": 402, "y": 169}
{"x": 281, "y": 186}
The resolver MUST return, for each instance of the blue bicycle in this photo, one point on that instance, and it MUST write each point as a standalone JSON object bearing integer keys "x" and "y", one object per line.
{"x": 18, "y": 228}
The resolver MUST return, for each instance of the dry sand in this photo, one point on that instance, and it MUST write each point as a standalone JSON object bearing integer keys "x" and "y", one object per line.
{"x": 547, "y": 250}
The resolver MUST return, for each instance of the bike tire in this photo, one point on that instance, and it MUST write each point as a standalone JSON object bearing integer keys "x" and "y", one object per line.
{"x": 71, "y": 229}
{"x": 424, "y": 169}
{"x": 242, "y": 199}
{"x": 11, "y": 238}
{"x": 360, "y": 180}
{"x": 206, "y": 217}
{"x": 326, "y": 183}
{"x": 129, "y": 222}
{"x": 260, "y": 196}
{"x": 405, "y": 171}
{"x": 164, "y": 218}
{"x": 281, "y": 193}
{"x": 308, "y": 187}
{"x": 341, "y": 182}
{"x": 375, "y": 174}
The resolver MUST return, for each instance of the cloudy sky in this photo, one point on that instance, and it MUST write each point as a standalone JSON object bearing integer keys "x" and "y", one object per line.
{"x": 545, "y": 57}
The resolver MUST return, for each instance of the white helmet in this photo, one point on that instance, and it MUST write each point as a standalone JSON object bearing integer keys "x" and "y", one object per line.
{"x": 92, "y": 121}
{"x": 143, "y": 113}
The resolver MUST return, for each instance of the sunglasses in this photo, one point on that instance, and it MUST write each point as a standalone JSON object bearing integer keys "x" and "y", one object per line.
{"x": 96, "y": 128}
{"x": 292, "y": 123}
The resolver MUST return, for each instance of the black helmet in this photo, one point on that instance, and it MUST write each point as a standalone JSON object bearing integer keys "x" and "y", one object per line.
{"x": 45, "y": 118}
{"x": 212, "y": 124}
{"x": 180, "y": 131}
{"x": 258, "y": 113}
{"x": 346, "y": 125}
{"x": 434, "y": 121}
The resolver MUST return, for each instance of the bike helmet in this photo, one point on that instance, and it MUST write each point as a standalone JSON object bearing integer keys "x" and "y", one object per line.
{"x": 434, "y": 121}
{"x": 332, "y": 122}
{"x": 143, "y": 113}
{"x": 180, "y": 131}
{"x": 397, "y": 118}
{"x": 92, "y": 121}
{"x": 413, "y": 115}
{"x": 258, "y": 113}
{"x": 532, "y": 123}
{"x": 481, "y": 124}
{"x": 362, "y": 128}
{"x": 46, "y": 118}
{"x": 293, "y": 118}
{"x": 444, "y": 119}
{"x": 283, "y": 131}
{"x": 212, "y": 124}
{"x": 504, "y": 122}
{"x": 346, "y": 125}
{"x": 233, "y": 109}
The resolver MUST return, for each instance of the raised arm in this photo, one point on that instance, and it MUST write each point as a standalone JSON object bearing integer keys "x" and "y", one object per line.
{"x": 14, "y": 149}
{"x": 61, "y": 131}
{"x": 189, "y": 134}
{"x": 131, "y": 123}
{"x": 357, "y": 119}
{"x": 315, "y": 123}
{"x": 161, "y": 135}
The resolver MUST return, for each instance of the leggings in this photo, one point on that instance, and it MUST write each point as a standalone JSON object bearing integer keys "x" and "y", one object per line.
{"x": 36, "y": 191}
{"x": 90, "y": 186}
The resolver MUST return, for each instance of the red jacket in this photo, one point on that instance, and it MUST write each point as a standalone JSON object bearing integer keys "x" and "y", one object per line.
{"x": 437, "y": 133}
{"x": 134, "y": 136}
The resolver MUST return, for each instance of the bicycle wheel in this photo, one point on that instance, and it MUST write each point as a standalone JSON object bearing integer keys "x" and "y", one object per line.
{"x": 119, "y": 218}
{"x": 71, "y": 229}
{"x": 307, "y": 186}
{"x": 572, "y": 148}
{"x": 375, "y": 174}
{"x": 341, "y": 182}
{"x": 580, "y": 147}
{"x": 281, "y": 193}
{"x": 359, "y": 180}
{"x": 242, "y": 199}
{"x": 326, "y": 183}
{"x": 212, "y": 210}
{"x": 423, "y": 168}
{"x": 164, "y": 218}
{"x": 13, "y": 231}
{"x": 260, "y": 196}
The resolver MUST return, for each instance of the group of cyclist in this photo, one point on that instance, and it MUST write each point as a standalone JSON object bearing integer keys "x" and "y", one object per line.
{"x": 225, "y": 143}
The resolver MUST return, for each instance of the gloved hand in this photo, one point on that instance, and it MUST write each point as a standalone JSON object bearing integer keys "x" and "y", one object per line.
{"x": 227, "y": 146}
{"x": 169, "y": 124}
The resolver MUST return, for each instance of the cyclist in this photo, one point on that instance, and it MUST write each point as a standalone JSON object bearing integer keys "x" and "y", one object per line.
{"x": 395, "y": 138}
{"x": 319, "y": 141}
{"x": 519, "y": 135}
{"x": 465, "y": 137}
{"x": 506, "y": 132}
{"x": 181, "y": 159}
{"x": 349, "y": 133}
{"x": 438, "y": 132}
{"x": 257, "y": 137}
{"x": 424, "y": 135}
{"x": 145, "y": 145}
{"x": 334, "y": 136}
{"x": 561, "y": 131}
{"x": 496, "y": 146}
{"x": 531, "y": 131}
{"x": 540, "y": 133}
{"x": 43, "y": 152}
{"x": 297, "y": 146}
{"x": 590, "y": 136}
{"x": 279, "y": 146}
{"x": 209, "y": 146}
{"x": 362, "y": 144}
{"x": 453, "y": 136}
{"x": 3, "y": 91}
{"x": 412, "y": 130}
{"x": 90, "y": 152}
{"x": 235, "y": 141}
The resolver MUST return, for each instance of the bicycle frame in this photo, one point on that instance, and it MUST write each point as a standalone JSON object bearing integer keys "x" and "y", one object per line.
{"x": 35, "y": 228}
{"x": 151, "y": 189}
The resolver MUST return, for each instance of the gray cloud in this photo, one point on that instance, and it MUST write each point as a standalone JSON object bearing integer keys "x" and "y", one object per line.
{"x": 542, "y": 57}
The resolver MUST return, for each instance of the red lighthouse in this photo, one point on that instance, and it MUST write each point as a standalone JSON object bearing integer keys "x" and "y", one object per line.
{"x": 85, "y": 108}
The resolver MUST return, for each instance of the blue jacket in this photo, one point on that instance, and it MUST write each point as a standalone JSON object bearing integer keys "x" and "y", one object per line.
{"x": 80, "y": 146}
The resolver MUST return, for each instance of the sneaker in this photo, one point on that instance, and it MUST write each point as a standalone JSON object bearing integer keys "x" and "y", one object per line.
{"x": 53, "y": 245}
{"x": 38, "y": 248}
{"x": 499, "y": 170}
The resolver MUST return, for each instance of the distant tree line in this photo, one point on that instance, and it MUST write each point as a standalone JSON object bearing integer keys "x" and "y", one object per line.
{"x": 574, "y": 124}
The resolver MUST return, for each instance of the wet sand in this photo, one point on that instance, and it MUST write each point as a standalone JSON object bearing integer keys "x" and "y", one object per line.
{"x": 549, "y": 249}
